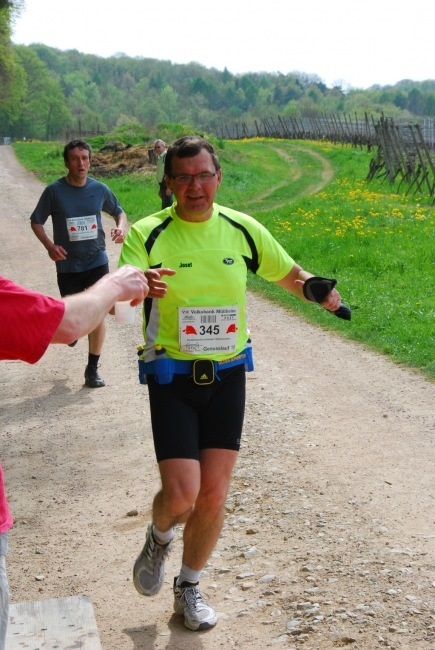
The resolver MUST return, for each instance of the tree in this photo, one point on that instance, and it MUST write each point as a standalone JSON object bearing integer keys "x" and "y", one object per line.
{"x": 44, "y": 103}
{"x": 400, "y": 99}
{"x": 415, "y": 101}
{"x": 128, "y": 83}
{"x": 11, "y": 101}
{"x": 226, "y": 76}
{"x": 429, "y": 104}
{"x": 12, "y": 77}
{"x": 250, "y": 90}
{"x": 169, "y": 100}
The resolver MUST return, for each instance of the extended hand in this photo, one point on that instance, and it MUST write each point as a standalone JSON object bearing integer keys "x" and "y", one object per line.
{"x": 158, "y": 288}
{"x": 131, "y": 282}
{"x": 118, "y": 235}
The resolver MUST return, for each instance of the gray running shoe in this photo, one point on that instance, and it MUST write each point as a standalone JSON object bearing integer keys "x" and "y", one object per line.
{"x": 149, "y": 568}
{"x": 188, "y": 600}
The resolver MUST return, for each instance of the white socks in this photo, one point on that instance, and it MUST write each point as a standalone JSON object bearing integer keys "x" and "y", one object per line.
{"x": 188, "y": 575}
{"x": 163, "y": 538}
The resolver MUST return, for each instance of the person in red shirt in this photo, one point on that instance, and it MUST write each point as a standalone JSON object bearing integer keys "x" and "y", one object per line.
{"x": 30, "y": 321}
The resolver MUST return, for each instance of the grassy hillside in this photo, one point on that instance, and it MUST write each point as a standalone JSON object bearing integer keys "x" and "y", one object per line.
{"x": 48, "y": 90}
{"x": 378, "y": 245}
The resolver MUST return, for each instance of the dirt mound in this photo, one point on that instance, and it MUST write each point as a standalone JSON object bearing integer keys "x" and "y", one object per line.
{"x": 117, "y": 158}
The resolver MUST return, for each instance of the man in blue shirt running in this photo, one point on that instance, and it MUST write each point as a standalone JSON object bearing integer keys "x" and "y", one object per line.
{"x": 74, "y": 203}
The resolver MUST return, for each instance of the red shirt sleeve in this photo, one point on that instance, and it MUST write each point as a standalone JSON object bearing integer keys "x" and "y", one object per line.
{"x": 28, "y": 321}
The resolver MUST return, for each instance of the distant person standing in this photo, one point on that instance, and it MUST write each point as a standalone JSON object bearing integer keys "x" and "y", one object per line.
{"x": 75, "y": 203}
{"x": 164, "y": 192}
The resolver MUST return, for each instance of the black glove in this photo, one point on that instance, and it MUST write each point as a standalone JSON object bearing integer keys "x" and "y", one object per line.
{"x": 317, "y": 289}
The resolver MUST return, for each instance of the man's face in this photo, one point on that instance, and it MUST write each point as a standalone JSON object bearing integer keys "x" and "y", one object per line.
{"x": 159, "y": 148}
{"x": 78, "y": 164}
{"x": 195, "y": 199}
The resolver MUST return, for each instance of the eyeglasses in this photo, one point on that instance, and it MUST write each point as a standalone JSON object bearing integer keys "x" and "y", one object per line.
{"x": 203, "y": 178}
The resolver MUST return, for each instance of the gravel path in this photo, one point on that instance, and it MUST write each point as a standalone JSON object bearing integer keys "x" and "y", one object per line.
{"x": 329, "y": 536}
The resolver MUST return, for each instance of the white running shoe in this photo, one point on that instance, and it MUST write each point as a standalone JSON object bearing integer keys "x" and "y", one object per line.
{"x": 149, "y": 568}
{"x": 188, "y": 600}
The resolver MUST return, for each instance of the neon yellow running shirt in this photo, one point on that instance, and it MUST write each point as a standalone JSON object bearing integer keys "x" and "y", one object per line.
{"x": 211, "y": 259}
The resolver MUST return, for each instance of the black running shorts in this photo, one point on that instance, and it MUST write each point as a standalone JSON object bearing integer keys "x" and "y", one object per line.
{"x": 187, "y": 418}
{"x": 71, "y": 283}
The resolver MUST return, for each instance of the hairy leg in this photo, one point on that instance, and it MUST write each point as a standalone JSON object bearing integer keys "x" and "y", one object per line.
{"x": 204, "y": 523}
{"x": 181, "y": 479}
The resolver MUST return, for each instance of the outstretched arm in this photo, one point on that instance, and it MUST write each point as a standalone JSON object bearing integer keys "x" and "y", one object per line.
{"x": 85, "y": 311}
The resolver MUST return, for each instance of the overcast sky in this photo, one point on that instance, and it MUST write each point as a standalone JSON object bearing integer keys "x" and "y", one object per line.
{"x": 363, "y": 43}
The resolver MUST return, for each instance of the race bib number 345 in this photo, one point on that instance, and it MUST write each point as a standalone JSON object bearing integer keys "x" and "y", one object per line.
{"x": 208, "y": 330}
{"x": 81, "y": 228}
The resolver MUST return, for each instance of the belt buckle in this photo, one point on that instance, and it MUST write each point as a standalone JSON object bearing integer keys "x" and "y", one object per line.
{"x": 203, "y": 372}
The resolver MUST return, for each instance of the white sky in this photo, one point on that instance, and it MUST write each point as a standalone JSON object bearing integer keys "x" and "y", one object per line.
{"x": 363, "y": 43}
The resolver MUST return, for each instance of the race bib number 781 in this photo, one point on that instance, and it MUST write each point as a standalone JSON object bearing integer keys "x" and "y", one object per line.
{"x": 81, "y": 228}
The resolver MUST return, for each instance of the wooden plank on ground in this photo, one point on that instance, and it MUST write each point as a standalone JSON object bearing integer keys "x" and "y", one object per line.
{"x": 59, "y": 623}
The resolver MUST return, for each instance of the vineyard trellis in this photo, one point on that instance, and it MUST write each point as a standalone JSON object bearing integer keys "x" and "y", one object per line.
{"x": 404, "y": 151}
{"x": 336, "y": 129}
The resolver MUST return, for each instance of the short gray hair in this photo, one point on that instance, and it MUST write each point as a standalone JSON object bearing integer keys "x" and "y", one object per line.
{"x": 189, "y": 146}
{"x": 161, "y": 142}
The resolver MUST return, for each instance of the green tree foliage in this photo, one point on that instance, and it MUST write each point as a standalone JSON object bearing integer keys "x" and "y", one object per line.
{"x": 6, "y": 56}
{"x": 52, "y": 88}
{"x": 12, "y": 77}
{"x": 44, "y": 110}
{"x": 416, "y": 101}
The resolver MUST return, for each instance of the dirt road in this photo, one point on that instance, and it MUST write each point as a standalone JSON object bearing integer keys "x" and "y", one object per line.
{"x": 329, "y": 535}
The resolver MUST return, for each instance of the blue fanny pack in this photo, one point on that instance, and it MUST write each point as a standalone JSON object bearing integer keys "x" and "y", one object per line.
{"x": 204, "y": 371}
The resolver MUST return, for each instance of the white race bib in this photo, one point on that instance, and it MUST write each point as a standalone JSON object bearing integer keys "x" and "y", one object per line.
{"x": 80, "y": 228}
{"x": 208, "y": 330}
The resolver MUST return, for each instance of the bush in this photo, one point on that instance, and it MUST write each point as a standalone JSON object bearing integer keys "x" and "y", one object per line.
{"x": 128, "y": 134}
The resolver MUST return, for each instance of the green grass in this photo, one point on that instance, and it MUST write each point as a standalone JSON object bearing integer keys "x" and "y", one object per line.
{"x": 45, "y": 159}
{"x": 378, "y": 244}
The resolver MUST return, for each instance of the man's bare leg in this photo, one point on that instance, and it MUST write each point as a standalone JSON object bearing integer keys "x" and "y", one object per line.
{"x": 204, "y": 524}
{"x": 181, "y": 481}
{"x": 195, "y": 492}
{"x": 172, "y": 505}
{"x": 96, "y": 339}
